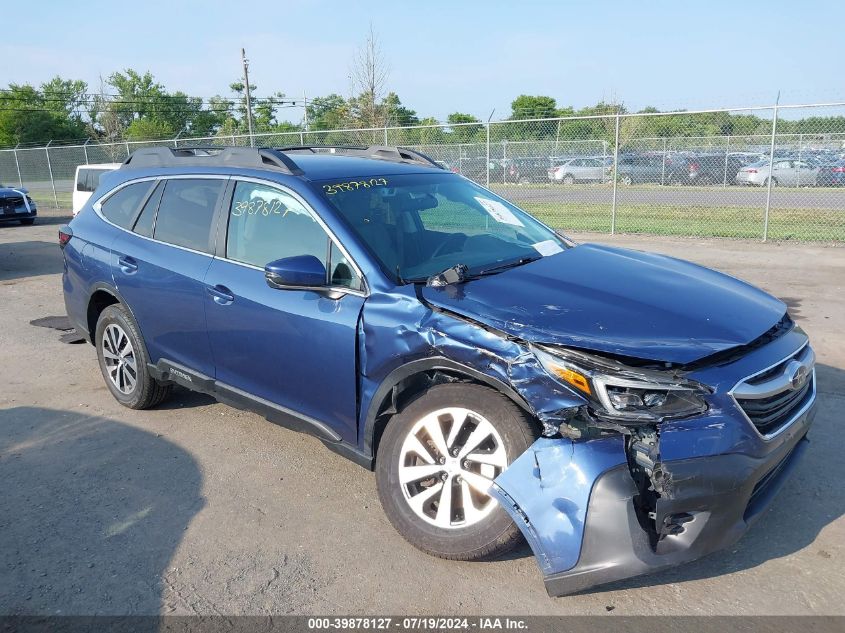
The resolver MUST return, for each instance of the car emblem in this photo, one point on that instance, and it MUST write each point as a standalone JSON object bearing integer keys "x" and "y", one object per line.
{"x": 798, "y": 374}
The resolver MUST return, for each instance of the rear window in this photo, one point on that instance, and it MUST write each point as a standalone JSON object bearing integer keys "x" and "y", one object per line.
{"x": 88, "y": 179}
{"x": 186, "y": 211}
{"x": 120, "y": 207}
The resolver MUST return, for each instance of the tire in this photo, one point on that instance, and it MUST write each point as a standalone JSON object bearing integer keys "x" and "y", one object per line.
{"x": 120, "y": 350}
{"x": 569, "y": 179}
{"x": 458, "y": 535}
{"x": 774, "y": 182}
{"x": 28, "y": 221}
{"x": 626, "y": 180}
{"x": 524, "y": 180}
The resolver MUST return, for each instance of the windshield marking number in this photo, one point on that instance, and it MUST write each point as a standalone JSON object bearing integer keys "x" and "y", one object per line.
{"x": 354, "y": 185}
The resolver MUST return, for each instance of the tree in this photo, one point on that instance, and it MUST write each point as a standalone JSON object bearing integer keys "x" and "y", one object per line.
{"x": 327, "y": 113}
{"x": 464, "y": 133}
{"x": 533, "y": 107}
{"x": 369, "y": 77}
{"x": 28, "y": 116}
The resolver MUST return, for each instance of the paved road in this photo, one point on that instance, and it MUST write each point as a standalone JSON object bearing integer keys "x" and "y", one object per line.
{"x": 804, "y": 198}
{"x": 195, "y": 507}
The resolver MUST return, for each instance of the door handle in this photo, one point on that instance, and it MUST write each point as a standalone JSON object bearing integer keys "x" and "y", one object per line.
{"x": 127, "y": 264}
{"x": 221, "y": 294}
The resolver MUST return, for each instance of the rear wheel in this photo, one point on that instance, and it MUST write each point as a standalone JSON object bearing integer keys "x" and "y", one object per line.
{"x": 569, "y": 179}
{"x": 774, "y": 182}
{"x": 123, "y": 360}
{"x": 626, "y": 180}
{"x": 436, "y": 462}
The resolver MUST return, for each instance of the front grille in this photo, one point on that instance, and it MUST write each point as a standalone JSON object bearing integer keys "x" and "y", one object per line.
{"x": 10, "y": 203}
{"x": 769, "y": 414}
{"x": 770, "y": 399}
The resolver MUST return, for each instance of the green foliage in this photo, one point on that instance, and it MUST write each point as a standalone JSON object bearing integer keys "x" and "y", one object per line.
{"x": 30, "y": 115}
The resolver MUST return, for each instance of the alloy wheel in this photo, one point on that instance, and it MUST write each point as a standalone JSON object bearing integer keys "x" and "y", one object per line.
{"x": 119, "y": 357}
{"x": 446, "y": 466}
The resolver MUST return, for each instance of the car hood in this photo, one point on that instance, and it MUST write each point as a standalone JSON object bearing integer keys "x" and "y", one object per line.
{"x": 617, "y": 301}
{"x": 12, "y": 191}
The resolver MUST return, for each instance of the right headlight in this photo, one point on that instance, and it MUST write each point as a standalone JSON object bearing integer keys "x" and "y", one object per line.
{"x": 626, "y": 394}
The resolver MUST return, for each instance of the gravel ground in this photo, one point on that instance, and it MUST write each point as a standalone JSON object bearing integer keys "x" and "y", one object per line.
{"x": 197, "y": 508}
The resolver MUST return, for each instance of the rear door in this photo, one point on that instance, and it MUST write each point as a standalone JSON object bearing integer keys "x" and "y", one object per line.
{"x": 294, "y": 348}
{"x": 159, "y": 269}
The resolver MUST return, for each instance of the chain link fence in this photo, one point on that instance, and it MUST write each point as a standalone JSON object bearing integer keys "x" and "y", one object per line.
{"x": 768, "y": 173}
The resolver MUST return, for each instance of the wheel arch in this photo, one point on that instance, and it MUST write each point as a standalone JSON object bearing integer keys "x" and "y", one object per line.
{"x": 102, "y": 296}
{"x": 411, "y": 379}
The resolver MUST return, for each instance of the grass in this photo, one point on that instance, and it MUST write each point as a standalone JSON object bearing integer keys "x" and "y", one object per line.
{"x": 737, "y": 222}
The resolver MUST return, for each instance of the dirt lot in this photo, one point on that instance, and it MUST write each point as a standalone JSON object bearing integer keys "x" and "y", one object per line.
{"x": 199, "y": 508}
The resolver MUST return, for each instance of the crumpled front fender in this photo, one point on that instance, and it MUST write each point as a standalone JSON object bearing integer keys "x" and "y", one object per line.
{"x": 546, "y": 491}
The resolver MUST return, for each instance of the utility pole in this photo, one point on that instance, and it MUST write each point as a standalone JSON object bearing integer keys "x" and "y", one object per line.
{"x": 248, "y": 98}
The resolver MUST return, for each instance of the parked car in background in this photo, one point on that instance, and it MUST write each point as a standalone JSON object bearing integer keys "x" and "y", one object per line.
{"x": 586, "y": 169}
{"x": 716, "y": 168}
{"x": 475, "y": 168}
{"x": 788, "y": 172}
{"x": 86, "y": 182}
{"x": 641, "y": 168}
{"x": 16, "y": 205}
{"x": 523, "y": 170}
{"x": 831, "y": 174}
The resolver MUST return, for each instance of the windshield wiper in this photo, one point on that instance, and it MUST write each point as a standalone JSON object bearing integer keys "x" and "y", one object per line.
{"x": 511, "y": 264}
{"x": 460, "y": 272}
{"x": 453, "y": 274}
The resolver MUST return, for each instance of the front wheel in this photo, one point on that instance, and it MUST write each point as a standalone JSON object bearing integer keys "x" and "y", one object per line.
{"x": 436, "y": 462}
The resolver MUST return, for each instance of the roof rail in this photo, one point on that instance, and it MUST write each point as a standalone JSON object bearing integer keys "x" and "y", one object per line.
{"x": 252, "y": 157}
{"x": 382, "y": 152}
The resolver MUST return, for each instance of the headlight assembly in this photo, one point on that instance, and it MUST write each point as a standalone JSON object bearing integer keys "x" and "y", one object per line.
{"x": 626, "y": 394}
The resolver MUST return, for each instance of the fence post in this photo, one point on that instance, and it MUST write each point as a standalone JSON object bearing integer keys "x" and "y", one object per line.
{"x": 727, "y": 151}
{"x": 176, "y": 140}
{"x": 85, "y": 149}
{"x": 663, "y": 168}
{"x": 771, "y": 171}
{"x": 301, "y": 138}
{"x": 615, "y": 176}
{"x": 504, "y": 160}
{"x": 50, "y": 169}
{"x": 385, "y": 134}
{"x": 18, "y": 166}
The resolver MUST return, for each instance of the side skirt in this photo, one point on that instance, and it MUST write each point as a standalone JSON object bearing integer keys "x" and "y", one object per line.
{"x": 170, "y": 372}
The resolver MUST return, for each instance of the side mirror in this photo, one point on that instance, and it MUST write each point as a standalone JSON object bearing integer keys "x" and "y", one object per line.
{"x": 301, "y": 271}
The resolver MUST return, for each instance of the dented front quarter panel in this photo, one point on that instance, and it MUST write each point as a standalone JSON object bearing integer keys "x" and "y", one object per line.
{"x": 397, "y": 329}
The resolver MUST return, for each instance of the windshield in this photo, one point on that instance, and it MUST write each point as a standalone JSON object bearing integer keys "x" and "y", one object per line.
{"x": 418, "y": 225}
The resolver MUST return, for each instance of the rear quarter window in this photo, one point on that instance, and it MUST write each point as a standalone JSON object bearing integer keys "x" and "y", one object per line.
{"x": 120, "y": 208}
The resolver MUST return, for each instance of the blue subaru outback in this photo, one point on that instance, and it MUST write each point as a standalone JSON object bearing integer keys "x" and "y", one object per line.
{"x": 623, "y": 411}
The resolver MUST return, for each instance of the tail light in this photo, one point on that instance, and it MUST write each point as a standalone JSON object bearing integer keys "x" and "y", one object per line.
{"x": 750, "y": 171}
{"x": 65, "y": 233}
{"x": 838, "y": 170}
{"x": 693, "y": 167}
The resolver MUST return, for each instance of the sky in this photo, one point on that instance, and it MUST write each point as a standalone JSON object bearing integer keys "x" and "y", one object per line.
{"x": 472, "y": 57}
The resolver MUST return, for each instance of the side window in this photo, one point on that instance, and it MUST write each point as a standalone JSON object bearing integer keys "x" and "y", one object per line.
{"x": 120, "y": 207}
{"x": 266, "y": 224}
{"x": 145, "y": 222}
{"x": 81, "y": 180}
{"x": 341, "y": 271}
{"x": 186, "y": 211}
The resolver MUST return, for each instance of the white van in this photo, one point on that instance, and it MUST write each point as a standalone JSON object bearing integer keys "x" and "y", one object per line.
{"x": 87, "y": 180}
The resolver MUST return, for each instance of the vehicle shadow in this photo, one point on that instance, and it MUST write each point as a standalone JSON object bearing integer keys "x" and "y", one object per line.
{"x": 29, "y": 259}
{"x": 91, "y": 512}
{"x": 812, "y": 498}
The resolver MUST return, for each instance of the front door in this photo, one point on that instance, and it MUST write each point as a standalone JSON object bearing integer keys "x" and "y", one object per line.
{"x": 294, "y": 348}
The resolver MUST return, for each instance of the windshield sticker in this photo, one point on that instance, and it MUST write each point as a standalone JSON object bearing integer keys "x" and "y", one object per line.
{"x": 548, "y": 247}
{"x": 498, "y": 211}
{"x": 354, "y": 185}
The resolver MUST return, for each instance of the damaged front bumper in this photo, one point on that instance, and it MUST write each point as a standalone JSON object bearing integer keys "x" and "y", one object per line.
{"x": 589, "y": 522}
